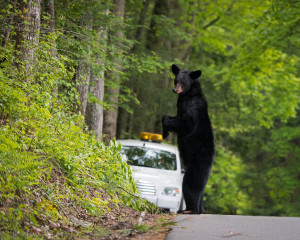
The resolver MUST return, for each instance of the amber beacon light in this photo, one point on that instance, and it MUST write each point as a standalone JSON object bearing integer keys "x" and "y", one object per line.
{"x": 152, "y": 137}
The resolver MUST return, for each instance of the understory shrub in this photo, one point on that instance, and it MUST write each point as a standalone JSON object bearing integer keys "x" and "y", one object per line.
{"x": 50, "y": 166}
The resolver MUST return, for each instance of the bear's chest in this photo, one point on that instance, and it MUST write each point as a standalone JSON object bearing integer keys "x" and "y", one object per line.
{"x": 186, "y": 109}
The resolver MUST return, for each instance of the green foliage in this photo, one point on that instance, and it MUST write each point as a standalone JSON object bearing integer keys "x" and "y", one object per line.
{"x": 142, "y": 228}
{"x": 278, "y": 170}
{"x": 47, "y": 159}
{"x": 223, "y": 193}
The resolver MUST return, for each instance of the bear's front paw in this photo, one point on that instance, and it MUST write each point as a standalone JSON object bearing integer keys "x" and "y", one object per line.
{"x": 165, "y": 133}
{"x": 164, "y": 120}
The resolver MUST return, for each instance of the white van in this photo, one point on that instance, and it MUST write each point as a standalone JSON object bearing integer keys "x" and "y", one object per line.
{"x": 156, "y": 168}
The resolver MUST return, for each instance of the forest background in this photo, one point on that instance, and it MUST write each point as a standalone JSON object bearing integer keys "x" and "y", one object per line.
{"x": 102, "y": 67}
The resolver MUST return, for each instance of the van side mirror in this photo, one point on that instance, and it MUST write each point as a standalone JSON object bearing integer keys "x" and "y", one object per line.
{"x": 182, "y": 170}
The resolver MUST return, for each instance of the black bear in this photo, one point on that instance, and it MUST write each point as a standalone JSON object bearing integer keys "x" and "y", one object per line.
{"x": 195, "y": 136}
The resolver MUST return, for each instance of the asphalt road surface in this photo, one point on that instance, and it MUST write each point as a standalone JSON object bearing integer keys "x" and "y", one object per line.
{"x": 218, "y": 227}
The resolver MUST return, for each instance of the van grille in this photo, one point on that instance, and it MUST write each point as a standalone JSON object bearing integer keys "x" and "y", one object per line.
{"x": 146, "y": 188}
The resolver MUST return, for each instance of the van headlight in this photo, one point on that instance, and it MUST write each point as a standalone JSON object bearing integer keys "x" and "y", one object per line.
{"x": 172, "y": 191}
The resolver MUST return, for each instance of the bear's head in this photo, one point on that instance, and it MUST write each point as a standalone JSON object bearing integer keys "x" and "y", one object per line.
{"x": 184, "y": 79}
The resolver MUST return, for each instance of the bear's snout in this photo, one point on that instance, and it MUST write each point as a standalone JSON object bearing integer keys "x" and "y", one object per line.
{"x": 177, "y": 90}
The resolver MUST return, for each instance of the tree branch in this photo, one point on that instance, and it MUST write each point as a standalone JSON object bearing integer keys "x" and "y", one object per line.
{"x": 211, "y": 23}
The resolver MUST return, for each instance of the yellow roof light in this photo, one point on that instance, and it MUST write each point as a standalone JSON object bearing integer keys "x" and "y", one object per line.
{"x": 153, "y": 137}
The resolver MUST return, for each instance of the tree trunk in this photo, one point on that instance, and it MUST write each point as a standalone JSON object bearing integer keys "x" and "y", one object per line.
{"x": 28, "y": 31}
{"x": 112, "y": 93}
{"x": 94, "y": 106}
{"x": 9, "y": 26}
{"x": 49, "y": 8}
{"x": 83, "y": 72}
{"x": 160, "y": 8}
{"x": 94, "y": 110}
{"x": 125, "y": 119}
{"x": 141, "y": 23}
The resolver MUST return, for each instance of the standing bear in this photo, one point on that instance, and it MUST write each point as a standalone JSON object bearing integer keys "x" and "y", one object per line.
{"x": 195, "y": 136}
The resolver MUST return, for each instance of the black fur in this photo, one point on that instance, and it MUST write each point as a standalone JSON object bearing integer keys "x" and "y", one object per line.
{"x": 195, "y": 136}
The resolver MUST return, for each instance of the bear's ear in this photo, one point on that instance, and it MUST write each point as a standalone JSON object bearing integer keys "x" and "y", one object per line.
{"x": 175, "y": 69}
{"x": 194, "y": 75}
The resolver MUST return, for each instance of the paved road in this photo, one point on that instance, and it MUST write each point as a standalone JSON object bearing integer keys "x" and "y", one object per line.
{"x": 217, "y": 227}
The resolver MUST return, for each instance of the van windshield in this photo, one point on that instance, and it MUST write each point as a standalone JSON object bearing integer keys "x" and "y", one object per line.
{"x": 148, "y": 157}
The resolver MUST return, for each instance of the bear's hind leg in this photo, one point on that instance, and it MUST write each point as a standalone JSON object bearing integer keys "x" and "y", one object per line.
{"x": 199, "y": 208}
{"x": 205, "y": 172}
{"x": 192, "y": 192}
{"x": 194, "y": 183}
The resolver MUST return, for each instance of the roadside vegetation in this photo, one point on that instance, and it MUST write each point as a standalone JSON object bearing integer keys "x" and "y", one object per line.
{"x": 57, "y": 181}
